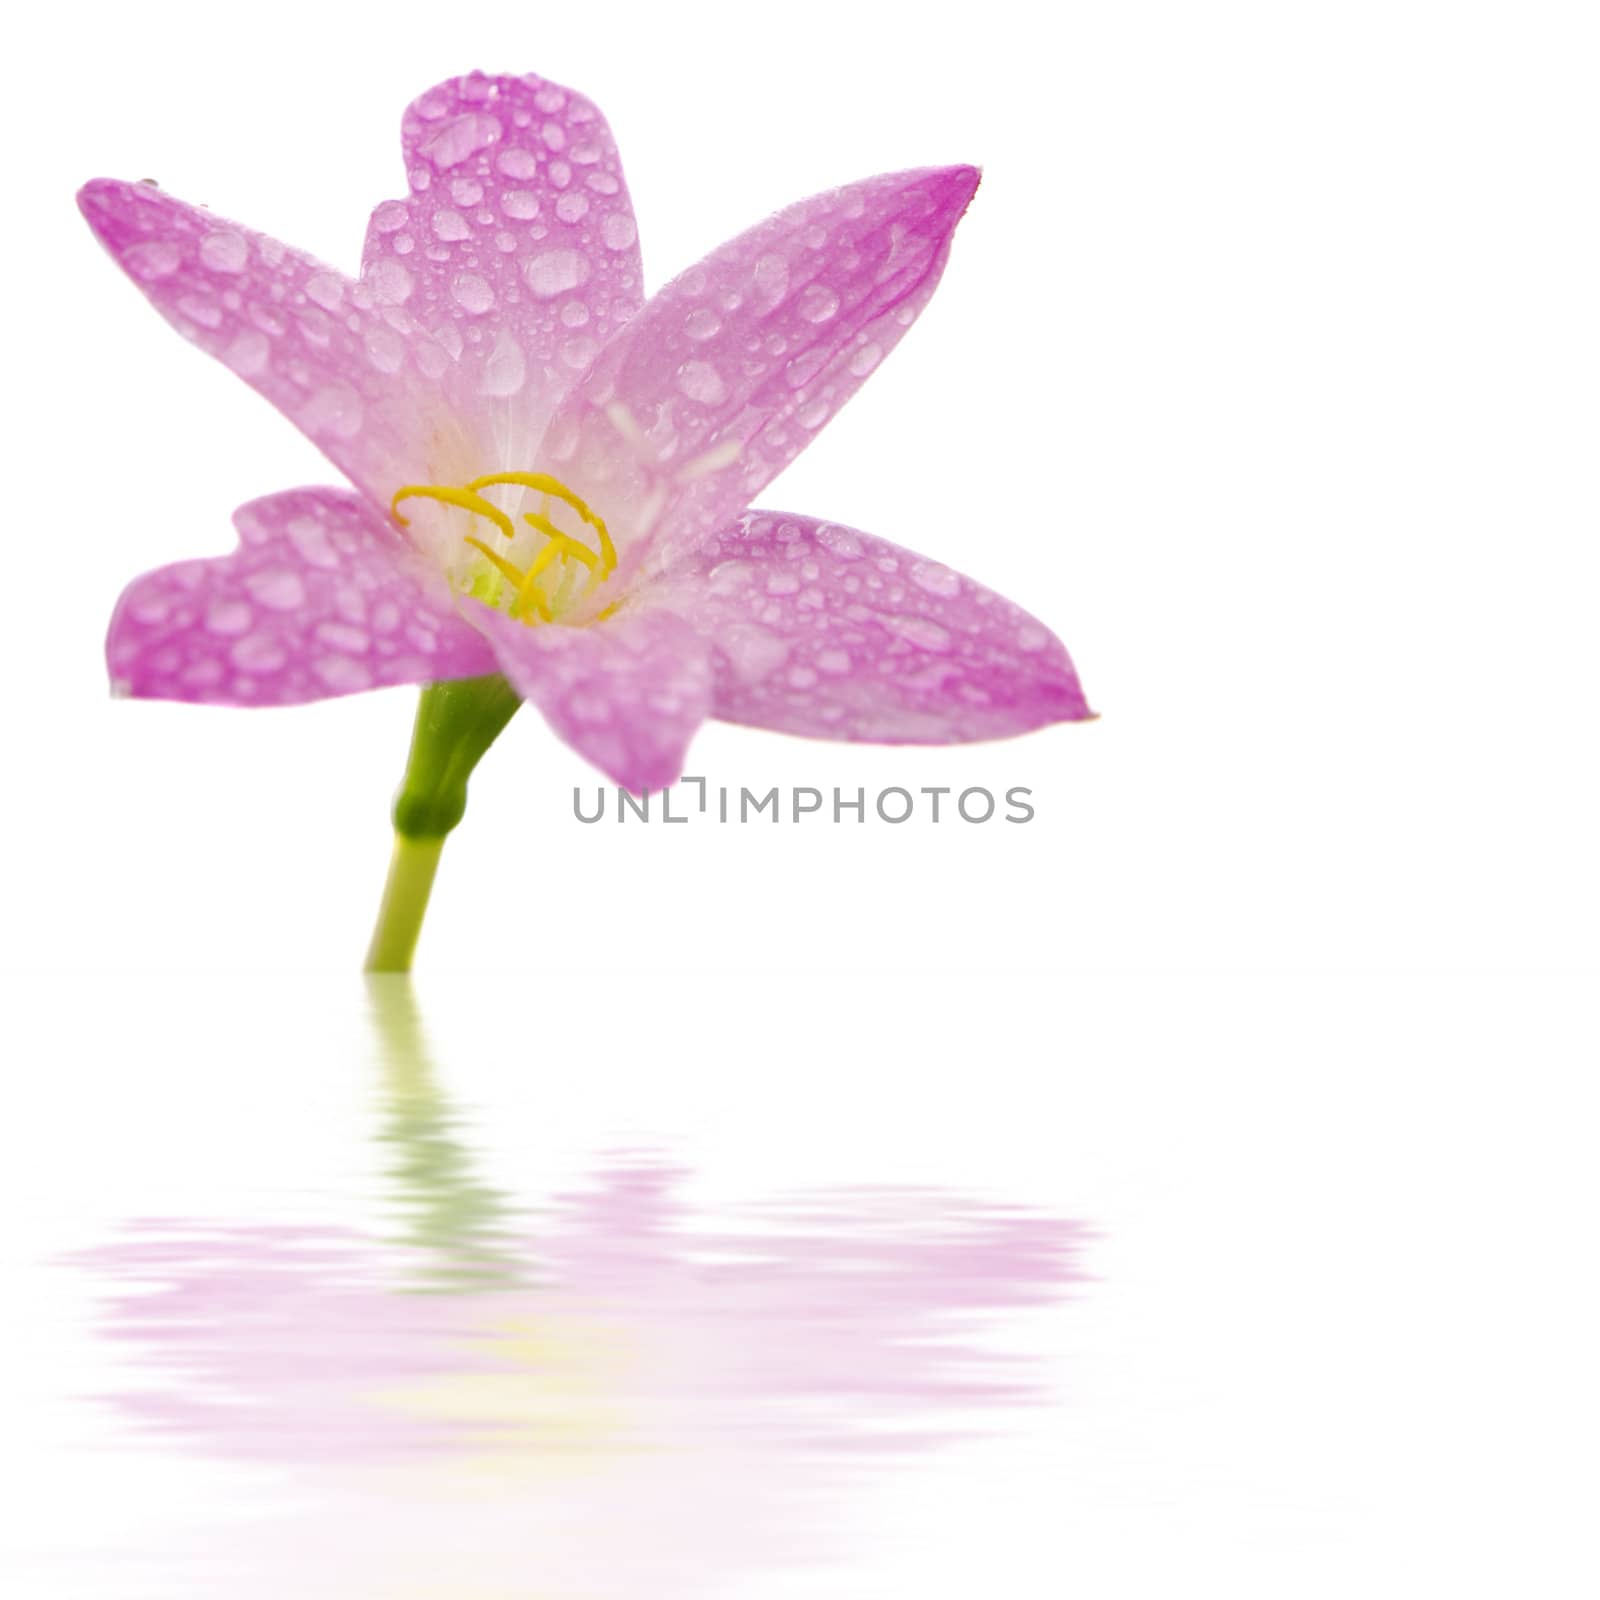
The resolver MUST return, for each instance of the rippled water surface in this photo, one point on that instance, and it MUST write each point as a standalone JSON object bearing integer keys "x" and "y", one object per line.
{"x": 440, "y": 1370}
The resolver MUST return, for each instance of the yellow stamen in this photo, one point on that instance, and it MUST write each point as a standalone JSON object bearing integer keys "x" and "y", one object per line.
{"x": 545, "y": 484}
{"x": 465, "y": 498}
{"x": 496, "y": 560}
{"x": 573, "y": 555}
{"x": 558, "y": 540}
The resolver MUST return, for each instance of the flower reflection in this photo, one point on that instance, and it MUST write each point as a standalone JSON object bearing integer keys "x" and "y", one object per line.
{"x": 605, "y": 1396}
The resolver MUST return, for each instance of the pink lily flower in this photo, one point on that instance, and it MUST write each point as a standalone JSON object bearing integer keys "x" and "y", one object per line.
{"x": 552, "y": 477}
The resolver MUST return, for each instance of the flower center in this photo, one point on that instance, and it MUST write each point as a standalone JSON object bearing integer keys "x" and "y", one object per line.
{"x": 560, "y": 572}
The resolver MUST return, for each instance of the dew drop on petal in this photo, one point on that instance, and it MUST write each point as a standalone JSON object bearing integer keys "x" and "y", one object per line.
{"x": 936, "y": 579}
{"x": 277, "y": 588}
{"x": 225, "y": 251}
{"x": 506, "y": 368}
{"x": 157, "y": 258}
{"x": 864, "y": 360}
{"x": 771, "y": 280}
{"x": 258, "y": 652}
{"x": 818, "y": 303}
{"x": 516, "y": 162}
{"x": 472, "y": 293}
{"x": 702, "y": 324}
{"x": 618, "y": 231}
{"x": 248, "y": 353}
{"x": 924, "y": 633}
{"x": 228, "y": 617}
{"x": 390, "y": 217}
{"x": 391, "y": 283}
{"x": 326, "y": 289}
{"x": 335, "y": 411}
{"x": 554, "y": 272}
{"x": 384, "y": 349}
{"x": 519, "y": 205}
{"x": 701, "y": 381}
{"x": 460, "y": 138}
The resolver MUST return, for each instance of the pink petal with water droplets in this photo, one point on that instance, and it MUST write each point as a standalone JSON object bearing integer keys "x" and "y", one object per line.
{"x": 344, "y": 369}
{"x": 730, "y": 370}
{"x": 818, "y": 629}
{"x": 321, "y": 598}
{"x": 627, "y": 694}
{"x": 517, "y": 247}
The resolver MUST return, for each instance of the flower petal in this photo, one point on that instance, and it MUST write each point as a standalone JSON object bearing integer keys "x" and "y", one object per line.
{"x": 726, "y": 374}
{"x": 626, "y": 694}
{"x": 517, "y": 247}
{"x": 820, "y": 630}
{"x": 344, "y": 369}
{"x": 321, "y": 598}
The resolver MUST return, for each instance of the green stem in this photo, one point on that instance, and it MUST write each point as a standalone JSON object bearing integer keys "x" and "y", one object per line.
{"x": 456, "y": 723}
{"x": 405, "y": 902}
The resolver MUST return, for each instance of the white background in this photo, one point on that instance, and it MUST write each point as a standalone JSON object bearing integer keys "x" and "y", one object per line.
{"x": 1264, "y": 371}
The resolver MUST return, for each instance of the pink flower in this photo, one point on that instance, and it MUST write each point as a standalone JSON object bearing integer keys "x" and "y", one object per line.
{"x": 551, "y": 476}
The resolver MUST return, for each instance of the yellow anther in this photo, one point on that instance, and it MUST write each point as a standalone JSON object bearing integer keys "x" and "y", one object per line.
{"x": 529, "y": 588}
{"x": 465, "y": 498}
{"x": 512, "y": 573}
{"x": 545, "y": 484}
{"x": 560, "y": 541}
{"x": 573, "y": 555}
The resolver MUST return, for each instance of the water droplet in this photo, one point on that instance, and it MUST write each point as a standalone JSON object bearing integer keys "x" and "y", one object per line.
{"x": 517, "y": 162}
{"x": 618, "y": 231}
{"x": 841, "y": 541}
{"x": 834, "y": 662}
{"x": 158, "y": 258}
{"x": 554, "y": 135}
{"x": 602, "y": 183}
{"x": 226, "y": 251}
{"x": 472, "y": 293}
{"x": 865, "y": 359}
{"x": 818, "y": 303}
{"x": 390, "y": 283}
{"x": 343, "y": 674}
{"x": 335, "y": 410}
{"x": 505, "y": 370}
{"x": 578, "y": 353}
{"x": 801, "y": 677}
{"x": 228, "y": 617}
{"x": 572, "y": 207}
{"x": 519, "y": 205}
{"x": 258, "y": 652}
{"x": 554, "y": 272}
{"x": 781, "y": 582}
{"x": 248, "y": 353}
{"x": 924, "y": 633}
{"x": 385, "y": 350}
{"x": 936, "y": 579}
{"x": 771, "y": 276}
{"x": 450, "y": 225}
{"x": 343, "y": 636}
{"x": 1031, "y": 637}
{"x": 460, "y": 138}
{"x": 703, "y": 323}
{"x": 466, "y": 191}
{"x": 197, "y": 308}
{"x": 575, "y": 314}
{"x": 390, "y": 217}
{"x": 277, "y": 588}
{"x": 701, "y": 381}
